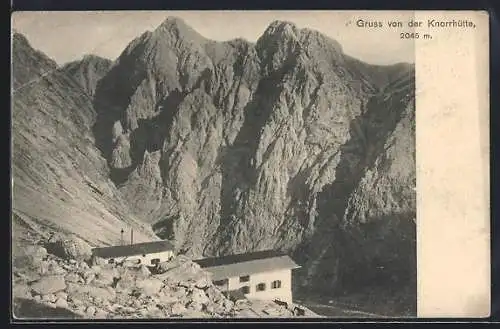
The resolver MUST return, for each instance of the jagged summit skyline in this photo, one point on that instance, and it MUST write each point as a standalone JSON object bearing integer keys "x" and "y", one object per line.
{"x": 68, "y": 36}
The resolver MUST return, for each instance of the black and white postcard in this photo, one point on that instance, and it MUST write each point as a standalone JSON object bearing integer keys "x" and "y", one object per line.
{"x": 250, "y": 164}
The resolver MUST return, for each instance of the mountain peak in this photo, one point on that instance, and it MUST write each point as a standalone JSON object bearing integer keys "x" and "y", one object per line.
{"x": 89, "y": 59}
{"x": 178, "y": 28}
{"x": 88, "y": 71}
{"x": 94, "y": 58}
{"x": 281, "y": 28}
{"x": 19, "y": 37}
{"x": 281, "y": 23}
{"x": 90, "y": 56}
{"x": 174, "y": 21}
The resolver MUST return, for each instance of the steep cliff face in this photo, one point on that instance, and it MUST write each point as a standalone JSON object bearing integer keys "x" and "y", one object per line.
{"x": 286, "y": 143}
{"x": 366, "y": 231}
{"x": 60, "y": 180}
{"x": 381, "y": 212}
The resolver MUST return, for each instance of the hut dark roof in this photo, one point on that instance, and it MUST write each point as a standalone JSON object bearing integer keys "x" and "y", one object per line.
{"x": 246, "y": 264}
{"x": 133, "y": 249}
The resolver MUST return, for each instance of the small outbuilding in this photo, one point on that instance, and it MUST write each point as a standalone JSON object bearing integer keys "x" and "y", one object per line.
{"x": 147, "y": 253}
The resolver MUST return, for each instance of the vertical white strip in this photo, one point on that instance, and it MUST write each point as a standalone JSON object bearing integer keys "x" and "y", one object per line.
{"x": 452, "y": 142}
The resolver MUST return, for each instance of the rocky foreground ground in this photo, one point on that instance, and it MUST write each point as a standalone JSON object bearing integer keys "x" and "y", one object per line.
{"x": 56, "y": 280}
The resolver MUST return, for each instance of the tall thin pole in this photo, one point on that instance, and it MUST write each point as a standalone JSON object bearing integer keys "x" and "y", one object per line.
{"x": 121, "y": 237}
{"x": 131, "y": 236}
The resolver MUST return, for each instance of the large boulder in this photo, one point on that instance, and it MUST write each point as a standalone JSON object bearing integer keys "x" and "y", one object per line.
{"x": 101, "y": 314}
{"x": 177, "y": 309}
{"x": 88, "y": 275}
{"x": 214, "y": 294}
{"x": 49, "y": 285}
{"x": 182, "y": 271}
{"x": 30, "y": 257}
{"x": 175, "y": 262}
{"x": 195, "y": 306}
{"x": 84, "y": 292}
{"x": 173, "y": 294}
{"x": 70, "y": 247}
{"x": 73, "y": 277}
{"x": 125, "y": 283}
{"x": 26, "y": 276}
{"x": 149, "y": 286}
{"x": 21, "y": 290}
{"x": 198, "y": 296}
{"x": 62, "y": 303}
{"x": 90, "y": 311}
{"x": 37, "y": 253}
{"x": 50, "y": 267}
{"x": 106, "y": 276}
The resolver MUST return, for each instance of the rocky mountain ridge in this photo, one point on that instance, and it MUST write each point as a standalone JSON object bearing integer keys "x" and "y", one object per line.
{"x": 286, "y": 143}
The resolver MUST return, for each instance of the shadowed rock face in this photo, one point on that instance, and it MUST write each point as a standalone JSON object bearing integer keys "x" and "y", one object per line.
{"x": 287, "y": 143}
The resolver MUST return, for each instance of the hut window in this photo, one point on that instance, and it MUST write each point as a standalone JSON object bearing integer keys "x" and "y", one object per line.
{"x": 220, "y": 282}
{"x": 245, "y": 289}
{"x": 245, "y": 278}
{"x": 261, "y": 287}
{"x": 276, "y": 284}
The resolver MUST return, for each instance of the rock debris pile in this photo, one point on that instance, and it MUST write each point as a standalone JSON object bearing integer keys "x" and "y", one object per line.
{"x": 178, "y": 288}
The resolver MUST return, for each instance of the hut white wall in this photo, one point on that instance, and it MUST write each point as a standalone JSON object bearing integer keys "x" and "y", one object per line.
{"x": 283, "y": 293}
{"x": 146, "y": 258}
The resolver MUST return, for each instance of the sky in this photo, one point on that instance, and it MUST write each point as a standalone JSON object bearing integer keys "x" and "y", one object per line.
{"x": 68, "y": 36}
